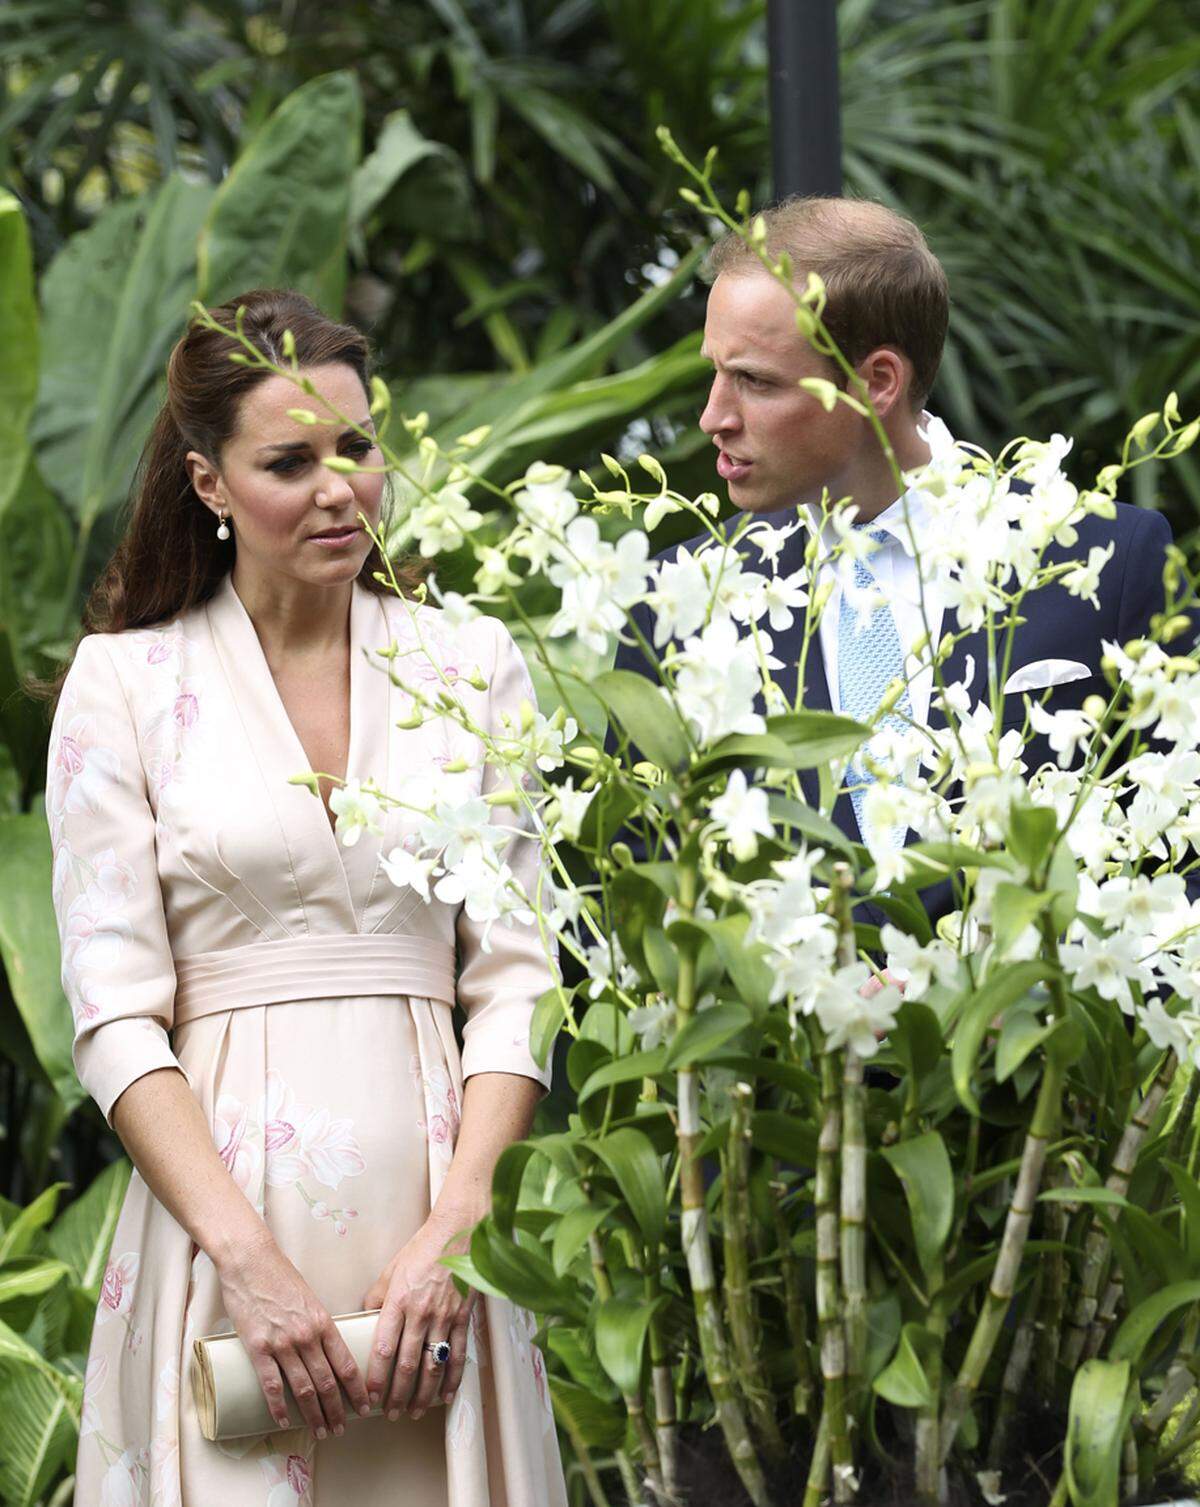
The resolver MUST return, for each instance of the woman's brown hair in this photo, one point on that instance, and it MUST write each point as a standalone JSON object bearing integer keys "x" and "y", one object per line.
{"x": 169, "y": 558}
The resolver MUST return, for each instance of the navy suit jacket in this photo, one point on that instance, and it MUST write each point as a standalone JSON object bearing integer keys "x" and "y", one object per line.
{"x": 1057, "y": 626}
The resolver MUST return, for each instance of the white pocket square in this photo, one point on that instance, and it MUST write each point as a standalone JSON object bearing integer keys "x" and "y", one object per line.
{"x": 1045, "y": 672}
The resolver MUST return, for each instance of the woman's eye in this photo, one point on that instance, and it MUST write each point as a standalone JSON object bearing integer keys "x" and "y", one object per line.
{"x": 286, "y": 465}
{"x": 358, "y": 448}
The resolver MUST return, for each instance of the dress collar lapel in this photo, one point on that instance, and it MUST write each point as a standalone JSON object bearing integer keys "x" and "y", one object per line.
{"x": 346, "y": 875}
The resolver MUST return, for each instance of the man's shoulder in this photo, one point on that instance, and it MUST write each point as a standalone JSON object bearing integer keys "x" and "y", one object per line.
{"x": 1129, "y": 527}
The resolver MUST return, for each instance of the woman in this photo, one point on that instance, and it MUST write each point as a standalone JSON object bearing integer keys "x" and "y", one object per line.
{"x": 262, "y": 1016}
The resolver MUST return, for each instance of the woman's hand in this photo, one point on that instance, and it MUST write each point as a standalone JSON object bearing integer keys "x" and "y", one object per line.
{"x": 419, "y": 1303}
{"x": 289, "y": 1333}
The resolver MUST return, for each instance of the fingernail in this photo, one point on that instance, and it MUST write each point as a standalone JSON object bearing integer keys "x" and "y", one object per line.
{"x": 320, "y": 1433}
{"x": 339, "y": 1429}
{"x": 365, "y": 1410}
{"x": 374, "y": 1396}
{"x": 394, "y": 1414}
{"x": 418, "y": 1413}
{"x": 448, "y": 1398}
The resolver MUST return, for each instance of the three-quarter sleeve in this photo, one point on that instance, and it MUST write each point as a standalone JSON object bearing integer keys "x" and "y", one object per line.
{"x": 499, "y": 988}
{"x": 117, "y": 969}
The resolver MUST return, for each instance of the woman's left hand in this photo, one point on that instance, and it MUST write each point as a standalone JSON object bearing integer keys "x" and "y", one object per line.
{"x": 419, "y": 1304}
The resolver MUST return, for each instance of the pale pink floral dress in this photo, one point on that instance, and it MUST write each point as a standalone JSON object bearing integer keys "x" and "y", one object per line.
{"x": 211, "y": 921}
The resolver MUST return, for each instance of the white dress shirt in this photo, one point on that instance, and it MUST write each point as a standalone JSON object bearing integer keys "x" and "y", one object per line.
{"x": 895, "y": 569}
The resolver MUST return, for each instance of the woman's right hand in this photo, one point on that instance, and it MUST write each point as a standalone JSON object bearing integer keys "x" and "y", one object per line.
{"x": 288, "y": 1333}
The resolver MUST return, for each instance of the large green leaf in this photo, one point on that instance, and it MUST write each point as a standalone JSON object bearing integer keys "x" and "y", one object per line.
{"x": 39, "y": 1434}
{"x": 523, "y": 1275}
{"x": 18, "y": 345}
{"x": 17, "y": 1355}
{"x": 600, "y": 1424}
{"x": 923, "y": 1166}
{"x": 817, "y": 738}
{"x": 83, "y": 1233}
{"x": 707, "y": 1032}
{"x": 280, "y": 217}
{"x": 635, "y": 1165}
{"x": 29, "y": 947}
{"x": 1140, "y": 1327}
{"x": 1100, "y": 1407}
{"x": 114, "y": 301}
{"x": 904, "y": 1381}
{"x": 509, "y": 411}
{"x": 28, "y": 1276}
{"x": 621, "y": 1328}
{"x": 398, "y": 149}
{"x": 978, "y": 1009}
{"x": 573, "y": 1231}
{"x": 19, "y": 1234}
{"x": 646, "y": 715}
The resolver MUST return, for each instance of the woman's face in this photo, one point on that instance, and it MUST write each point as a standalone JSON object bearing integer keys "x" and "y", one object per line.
{"x": 291, "y": 515}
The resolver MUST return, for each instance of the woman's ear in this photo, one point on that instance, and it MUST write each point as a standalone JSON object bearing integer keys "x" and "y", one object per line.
{"x": 205, "y": 480}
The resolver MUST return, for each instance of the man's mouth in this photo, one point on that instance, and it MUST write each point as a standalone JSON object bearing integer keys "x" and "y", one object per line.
{"x": 732, "y": 467}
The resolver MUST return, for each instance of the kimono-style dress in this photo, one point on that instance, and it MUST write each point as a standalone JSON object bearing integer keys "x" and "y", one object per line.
{"x": 212, "y": 922}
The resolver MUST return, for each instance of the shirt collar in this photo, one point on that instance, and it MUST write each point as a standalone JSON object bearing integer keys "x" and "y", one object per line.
{"x": 903, "y": 519}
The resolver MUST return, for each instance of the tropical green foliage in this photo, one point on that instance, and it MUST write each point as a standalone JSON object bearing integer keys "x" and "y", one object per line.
{"x": 518, "y": 200}
{"x": 50, "y": 1281}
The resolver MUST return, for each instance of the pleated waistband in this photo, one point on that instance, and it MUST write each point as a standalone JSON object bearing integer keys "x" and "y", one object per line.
{"x": 296, "y": 968}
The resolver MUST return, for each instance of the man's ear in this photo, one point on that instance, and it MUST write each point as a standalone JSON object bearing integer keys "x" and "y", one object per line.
{"x": 888, "y": 374}
{"x": 206, "y": 480}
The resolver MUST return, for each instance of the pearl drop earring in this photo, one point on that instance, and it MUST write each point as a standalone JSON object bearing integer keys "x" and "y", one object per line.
{"x": 222, "y": 528}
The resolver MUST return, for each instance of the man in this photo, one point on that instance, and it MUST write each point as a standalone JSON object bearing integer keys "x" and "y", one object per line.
{"x": 887, "y": 310}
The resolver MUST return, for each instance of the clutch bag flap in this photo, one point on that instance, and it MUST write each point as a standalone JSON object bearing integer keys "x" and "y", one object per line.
{"x": 225, "y": 1386}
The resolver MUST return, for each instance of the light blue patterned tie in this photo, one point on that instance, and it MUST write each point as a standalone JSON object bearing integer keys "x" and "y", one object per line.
{"x": 867, "y": 664}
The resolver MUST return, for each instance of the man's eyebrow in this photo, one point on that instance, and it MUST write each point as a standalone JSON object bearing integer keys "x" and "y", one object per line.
{"x": 294, "y": 446}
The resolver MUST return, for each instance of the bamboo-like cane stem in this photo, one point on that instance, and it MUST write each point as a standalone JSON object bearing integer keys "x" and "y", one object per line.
{"x": 1053, "y": 1272}
{"x": 665, "y": 1431}
{"x": 854, "y": 1225}
{"x": 1184, "y": 1435}
{"x": 629, "y": 1480}
{"x": 1015, "y": 1371}
{"x": 1096, "y": 1248}
{"x": 1180, "y": 1380}
{"x": 634, "y": 1406}
{"x": 794, "y": 1306}
{"x": 818, "y": 1469}
{"x": 697, "y": 1239}
{"x": 1129, "y": 1468}
{"x": 1110, "y": 1305}
{"x": 697, "y": 1247}
{"x": 750, "y": 1374}
{"x": 927, "y": 1441}
{"x": 829, "y": 1315}
{"x": 1008, "y": 1260}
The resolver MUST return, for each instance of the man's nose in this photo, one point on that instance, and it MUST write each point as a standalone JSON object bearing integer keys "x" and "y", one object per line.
{"x": 720, "y": 413}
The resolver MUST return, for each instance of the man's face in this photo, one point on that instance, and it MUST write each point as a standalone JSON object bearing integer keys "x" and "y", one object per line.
{"x": 777, "y": 444}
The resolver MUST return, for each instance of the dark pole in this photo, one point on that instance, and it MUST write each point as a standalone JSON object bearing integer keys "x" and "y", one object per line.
{"x": 806, "y": 129}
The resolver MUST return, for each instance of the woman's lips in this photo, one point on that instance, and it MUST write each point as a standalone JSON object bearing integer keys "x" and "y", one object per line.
{"x": 729, "y": 469}
{"x": 335, "y": 538}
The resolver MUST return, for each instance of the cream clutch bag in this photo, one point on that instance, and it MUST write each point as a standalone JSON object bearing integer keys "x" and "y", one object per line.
{"x": 229, "y": 1399}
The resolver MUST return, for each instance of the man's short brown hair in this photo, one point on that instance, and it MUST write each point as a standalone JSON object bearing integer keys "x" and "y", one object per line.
{"x": 884, "y": 285}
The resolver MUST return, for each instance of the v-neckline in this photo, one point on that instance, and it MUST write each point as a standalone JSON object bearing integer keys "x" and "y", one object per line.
{"x": 354, "y": 866}
{"x": 286, "y": 716}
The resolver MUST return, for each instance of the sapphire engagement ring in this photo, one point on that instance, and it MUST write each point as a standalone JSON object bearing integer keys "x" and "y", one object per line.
{"x": 439, "y": 1351}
